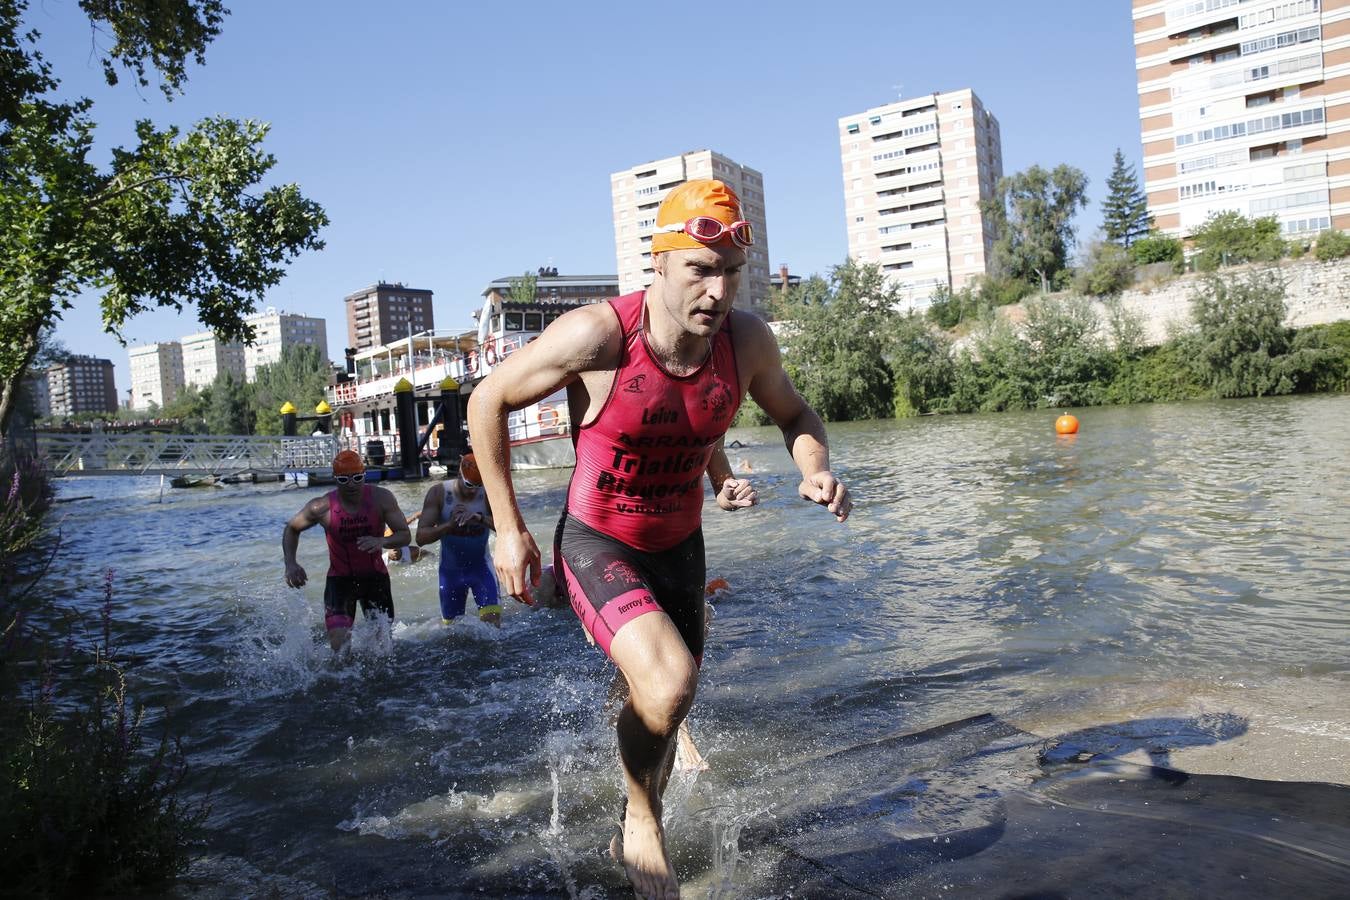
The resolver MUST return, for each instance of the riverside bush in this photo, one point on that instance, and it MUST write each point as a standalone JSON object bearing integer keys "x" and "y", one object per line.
{"x": 1332, "y": 244}
{"x": 88, "y": 805}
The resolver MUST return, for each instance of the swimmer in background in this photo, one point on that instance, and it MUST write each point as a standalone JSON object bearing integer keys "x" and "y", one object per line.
{"x": 460, "y": 518}
{"x": 409, "y": 553}
{"x": 354, "y": 517}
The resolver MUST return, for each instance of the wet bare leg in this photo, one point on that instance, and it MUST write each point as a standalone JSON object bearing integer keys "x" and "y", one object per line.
{"x": 338, "y": 638}
{"x": 662, "y": 679}
{"x": 686, "y": 758}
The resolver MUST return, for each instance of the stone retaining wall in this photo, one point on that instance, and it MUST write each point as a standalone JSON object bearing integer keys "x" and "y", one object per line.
{"x": 1316, "y": 293}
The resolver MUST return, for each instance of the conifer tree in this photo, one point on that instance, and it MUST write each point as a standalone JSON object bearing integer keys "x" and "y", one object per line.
{"x": 1125, "y": 215}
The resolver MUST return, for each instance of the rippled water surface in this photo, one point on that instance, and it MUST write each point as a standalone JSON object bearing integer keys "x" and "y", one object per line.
{"x": 1172, "y": 578}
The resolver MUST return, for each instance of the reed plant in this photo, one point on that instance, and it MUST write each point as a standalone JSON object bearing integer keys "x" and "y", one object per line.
{"x": 90, "y": 803}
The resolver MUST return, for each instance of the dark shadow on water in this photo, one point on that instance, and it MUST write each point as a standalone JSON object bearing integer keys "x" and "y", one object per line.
{"x": 979, "y": 808}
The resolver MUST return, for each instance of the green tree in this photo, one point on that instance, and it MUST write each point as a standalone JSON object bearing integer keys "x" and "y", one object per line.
{"x": 523, "y": 288}
{"x": 1125, "y": 216}
{"x": 1032, "y": 214}
{"x": 1332, "y": 244}
{"x": 1241, "y": 345}
{"x": 1107, "y": 270}
{"x": 921, "y": 360}
{"x": 1228, "y": 238}
{"x": 1157, "y": 247}
{"x": 1067, "y": 359}
{"x": 189, "y": 408}
{"x": 299, "y": 377}
{"x": 230, "y": 410}
{"x": 836, "y": 339}
{"x": 178, "y": 218}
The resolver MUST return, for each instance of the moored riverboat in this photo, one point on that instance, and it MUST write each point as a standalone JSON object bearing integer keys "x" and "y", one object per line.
{"x": 443, "y": 367}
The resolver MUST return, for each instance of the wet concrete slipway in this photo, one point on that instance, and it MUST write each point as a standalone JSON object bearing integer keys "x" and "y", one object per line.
{"x": 1109, "y": 665}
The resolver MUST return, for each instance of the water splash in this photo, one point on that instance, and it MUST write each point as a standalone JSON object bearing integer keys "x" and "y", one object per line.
{"x": 282, "y": 650}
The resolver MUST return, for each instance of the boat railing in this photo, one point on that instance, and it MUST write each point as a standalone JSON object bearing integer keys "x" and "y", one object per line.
{"x": 427, "y": 371}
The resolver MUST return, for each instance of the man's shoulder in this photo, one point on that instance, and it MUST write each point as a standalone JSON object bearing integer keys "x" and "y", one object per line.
{"x": 585, "y": 337}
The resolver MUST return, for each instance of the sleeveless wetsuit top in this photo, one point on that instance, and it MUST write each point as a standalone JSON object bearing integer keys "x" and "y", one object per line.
{"x": 463, "y": 544}
{"x": 640, "y": 464}
{"x": 344, "y": 557}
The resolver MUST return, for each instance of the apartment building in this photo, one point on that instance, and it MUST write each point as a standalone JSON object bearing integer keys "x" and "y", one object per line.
{"x": 274, "y": 331}
{"x": 915, "y": 173}
{"x": 386, "y": 312}
{"x": 1244, "y": 105}
{"x": 637, "y": 192}
{"x": 82, "y": 384}
{"x": 156, "y": 374}
{"x": 205, "y": 356}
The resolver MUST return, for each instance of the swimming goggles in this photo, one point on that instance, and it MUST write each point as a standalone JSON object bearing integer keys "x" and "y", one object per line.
{"x": 354, "y": 479}
{"x": 707, "y": 230}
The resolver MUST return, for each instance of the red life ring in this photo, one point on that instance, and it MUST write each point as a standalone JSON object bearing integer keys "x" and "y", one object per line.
{"x": 490, "y": 352}
{"x": 548, "y": 417}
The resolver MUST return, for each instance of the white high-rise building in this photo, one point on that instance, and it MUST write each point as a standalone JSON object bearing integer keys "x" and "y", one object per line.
{"x": 915, "y": 173}
{"x": 205, "y": 357}
{"x": 275, "y": 331}
{"x": 637, "y": 192}
{"x": 1244, "y": 105}
{"x": 156, "y": 374}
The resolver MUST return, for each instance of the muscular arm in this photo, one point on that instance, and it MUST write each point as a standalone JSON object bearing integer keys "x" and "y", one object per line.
{"x": 803, "y": 431}
{"x": 394, "y": 520}
{"x": 309, "y": 515}
{"x": 585, "y": 339}
{"x": 429, "y": 519}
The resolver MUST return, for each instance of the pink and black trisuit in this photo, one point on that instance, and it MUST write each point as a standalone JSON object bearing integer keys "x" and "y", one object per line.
{"x": 630, "y": 540}
{"x": 354, "y": 576}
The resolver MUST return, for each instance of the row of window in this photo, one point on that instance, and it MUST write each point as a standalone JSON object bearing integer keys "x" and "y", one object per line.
{"x": 1263, "y": 205}
{"x": 1214, "y": 161}
{"x": 1254, "y": 73}
{"x": 1295, "y": 119}
{"x": 1284, "y": 39}
{"x": 905, "y": 132}
{"x": 911, "y": 226}
{"x": 897, "y": 210}
{"x": 911, "y": 189}
{"x": 895, "y": 154}
{"x": 1195, "y": 7}
{"x": 1279, "y": 13}
{"x": 914, "y": 169}
{"x": 1212, "y": 186}
{"x": 1311, "y": 225}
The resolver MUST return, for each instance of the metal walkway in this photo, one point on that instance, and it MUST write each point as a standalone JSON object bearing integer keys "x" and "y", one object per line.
{"x": 143, "y": 453}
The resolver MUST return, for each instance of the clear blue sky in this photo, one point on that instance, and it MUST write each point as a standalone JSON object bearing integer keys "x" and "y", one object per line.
{"x": 451, "y": 146}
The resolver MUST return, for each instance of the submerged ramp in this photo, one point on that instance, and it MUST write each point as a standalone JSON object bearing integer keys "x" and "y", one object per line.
{"x": 986, "y": 810}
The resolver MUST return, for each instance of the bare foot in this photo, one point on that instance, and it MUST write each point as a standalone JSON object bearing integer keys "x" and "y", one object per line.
{"x": 687, "y": 757}
{"x": 644, "y": 859}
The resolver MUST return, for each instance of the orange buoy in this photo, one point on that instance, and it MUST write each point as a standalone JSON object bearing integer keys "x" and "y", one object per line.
{"x": 717, "y": 584}
{"x": 1066, "y": 424}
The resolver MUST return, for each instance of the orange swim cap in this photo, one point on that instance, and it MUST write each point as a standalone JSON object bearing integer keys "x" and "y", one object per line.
{"x": 700, "y": 197}
{"x": 468, "y": 470}
{"x": 348, "y": 462}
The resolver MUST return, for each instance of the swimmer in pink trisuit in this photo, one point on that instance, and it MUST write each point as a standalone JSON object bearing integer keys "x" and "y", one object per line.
{"x": 654, "y": 379}
{"x": 355, "y": 517}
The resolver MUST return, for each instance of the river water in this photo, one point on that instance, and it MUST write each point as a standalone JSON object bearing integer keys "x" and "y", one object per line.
{"x": 1170, "y": 581}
